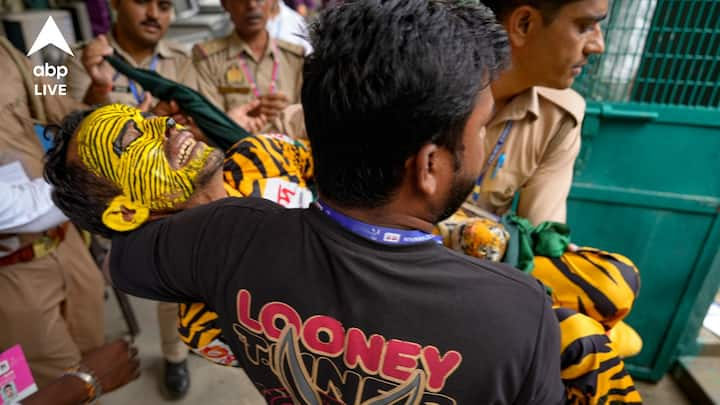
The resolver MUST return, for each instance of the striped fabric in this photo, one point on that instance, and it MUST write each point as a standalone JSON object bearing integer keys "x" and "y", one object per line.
{"x": 598, "y": 284}
{"x": 592, "y": 371}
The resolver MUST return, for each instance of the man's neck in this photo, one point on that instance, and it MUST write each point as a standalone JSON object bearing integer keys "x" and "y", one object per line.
{"x": 136, "y": 51}
{"x": 257, "y": 43}
{"x": 391, "y": 215}
{"x": 508, "y": 85}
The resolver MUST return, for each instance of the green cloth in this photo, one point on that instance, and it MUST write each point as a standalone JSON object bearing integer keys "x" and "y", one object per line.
{"x": 214, "y": 123}
{"x": 549, "y": 239}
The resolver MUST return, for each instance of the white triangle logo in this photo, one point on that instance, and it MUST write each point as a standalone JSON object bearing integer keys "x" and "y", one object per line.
{"x": 50, "y": 34}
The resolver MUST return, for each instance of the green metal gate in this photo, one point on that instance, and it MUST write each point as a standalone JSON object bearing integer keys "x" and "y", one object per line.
{"x": 647, "y": 180}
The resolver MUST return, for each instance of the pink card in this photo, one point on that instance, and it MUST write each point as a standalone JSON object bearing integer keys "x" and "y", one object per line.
{"x": 16, "y": 381}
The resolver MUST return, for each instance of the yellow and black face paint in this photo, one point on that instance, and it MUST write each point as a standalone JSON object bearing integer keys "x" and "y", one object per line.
{"x": 140, "y": 166}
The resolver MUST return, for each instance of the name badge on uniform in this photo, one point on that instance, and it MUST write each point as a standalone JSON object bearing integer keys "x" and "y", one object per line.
{"x": 234, "y": 75}
{"x": 120, "y": 89}
{"x": 234, "y": 89}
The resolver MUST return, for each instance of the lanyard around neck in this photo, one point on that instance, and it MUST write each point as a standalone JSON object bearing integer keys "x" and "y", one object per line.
{"x": 493, "y": 155}
{"x": 251, "y": 79}
{"x": 133, "y": 87}
{"x": 380, "y": 234}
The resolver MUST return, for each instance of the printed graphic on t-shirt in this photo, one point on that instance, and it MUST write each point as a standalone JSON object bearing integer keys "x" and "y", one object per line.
{"x": 321, "y": 362}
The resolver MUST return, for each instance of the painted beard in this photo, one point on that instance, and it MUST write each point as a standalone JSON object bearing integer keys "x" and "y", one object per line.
{"x": 141, "y": 168}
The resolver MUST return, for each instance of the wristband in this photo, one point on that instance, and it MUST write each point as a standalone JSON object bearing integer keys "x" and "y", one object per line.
{"x": 102, "y": 88}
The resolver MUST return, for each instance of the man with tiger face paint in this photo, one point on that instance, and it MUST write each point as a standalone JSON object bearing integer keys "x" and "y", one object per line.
{"x": 155, "y": 164}
{"x": 155, "y": 167}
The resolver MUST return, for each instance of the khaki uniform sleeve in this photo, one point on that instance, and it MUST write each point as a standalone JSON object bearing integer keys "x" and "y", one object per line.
{"x": 57, "y": 107}
{"x": 78, "y": 81}
{"x": 204, "y": 79}
{"x": 544, "y": 196}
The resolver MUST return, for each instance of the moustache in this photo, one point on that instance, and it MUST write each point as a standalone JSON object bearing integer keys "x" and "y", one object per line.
{"x": 153, "y": 23}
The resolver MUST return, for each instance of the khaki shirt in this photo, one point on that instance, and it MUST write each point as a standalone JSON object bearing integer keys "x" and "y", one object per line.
{"x": 173, "y": 62}
{"x": 540, "y": 152}
{"x": 221, "y": 77}
{"x": 18, "y": 141}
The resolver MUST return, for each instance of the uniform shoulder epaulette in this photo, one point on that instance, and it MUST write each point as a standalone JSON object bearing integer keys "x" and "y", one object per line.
{"x": 567, "y": 99}
{"x": 295, "y": 49}
{"x": 177, "y": 48}
{"x": 205, "y": 49}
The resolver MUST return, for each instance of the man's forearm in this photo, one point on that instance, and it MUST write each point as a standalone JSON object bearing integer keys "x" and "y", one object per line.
{"x": 64, "y": 390}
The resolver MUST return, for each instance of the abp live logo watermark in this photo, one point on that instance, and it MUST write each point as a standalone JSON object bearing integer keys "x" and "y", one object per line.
{"x": 50, "y": 35}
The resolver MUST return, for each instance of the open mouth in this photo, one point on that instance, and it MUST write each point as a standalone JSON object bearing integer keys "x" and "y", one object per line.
{"x": 182, "y": 147}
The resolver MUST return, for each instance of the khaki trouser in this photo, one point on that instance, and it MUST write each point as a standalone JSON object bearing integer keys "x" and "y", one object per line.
{"x": 173, "y": 349}
{"x": 53, "y": 307}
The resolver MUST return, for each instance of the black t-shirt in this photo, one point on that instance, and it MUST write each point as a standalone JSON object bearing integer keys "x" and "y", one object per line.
{"x": 319, "y": 315}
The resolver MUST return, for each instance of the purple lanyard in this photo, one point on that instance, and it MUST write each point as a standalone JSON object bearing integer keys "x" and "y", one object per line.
{"x": 501, "y": 160}
{"x": 380, "y": 234}
{"x": 131, "y": 84}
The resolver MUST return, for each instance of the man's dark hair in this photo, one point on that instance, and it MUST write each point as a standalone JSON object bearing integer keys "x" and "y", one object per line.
{"x": 548, "y": 8}
{"x": 79, "y": 194}
{"x": 387, "y": 77}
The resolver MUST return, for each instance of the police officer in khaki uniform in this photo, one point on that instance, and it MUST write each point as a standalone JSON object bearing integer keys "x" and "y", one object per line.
{"x": 532, "y": 142}
{"x": 51, "y": 291}
{"x": 248, "y": 67}
{"x": 169, "y": 59}
{"x": 137, "y": 36}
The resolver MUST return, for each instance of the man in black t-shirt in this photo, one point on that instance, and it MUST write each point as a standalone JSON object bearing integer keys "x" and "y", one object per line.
{"x": 351, "y": 301}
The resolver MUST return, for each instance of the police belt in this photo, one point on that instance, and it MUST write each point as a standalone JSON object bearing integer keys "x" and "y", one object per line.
{"x": 40, "y": 247}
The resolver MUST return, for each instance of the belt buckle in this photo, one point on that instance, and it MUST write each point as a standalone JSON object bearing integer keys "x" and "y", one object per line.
{"x": 43, "y": 246}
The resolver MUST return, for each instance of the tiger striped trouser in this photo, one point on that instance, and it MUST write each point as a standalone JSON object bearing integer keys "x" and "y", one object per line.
{"x": 591, "y": 369}
{"x": 598, "y": 284}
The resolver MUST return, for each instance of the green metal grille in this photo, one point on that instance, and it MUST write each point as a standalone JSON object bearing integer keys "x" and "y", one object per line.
{"x": 663, "y": 52}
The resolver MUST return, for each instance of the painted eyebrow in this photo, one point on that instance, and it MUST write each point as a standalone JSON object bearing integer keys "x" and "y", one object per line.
{"x": 117, "y": 143}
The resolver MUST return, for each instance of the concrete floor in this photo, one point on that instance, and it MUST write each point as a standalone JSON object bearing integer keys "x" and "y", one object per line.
{"x": 213, "y": 384}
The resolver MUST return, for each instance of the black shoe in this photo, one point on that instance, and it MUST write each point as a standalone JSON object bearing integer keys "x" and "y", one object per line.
{"x": 177, "y": 379}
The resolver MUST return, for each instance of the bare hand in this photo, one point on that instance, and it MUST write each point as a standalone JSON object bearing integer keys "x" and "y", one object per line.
{"x": 146, "y": 103}
{"x": 249, "y": 116}
{"x": 172, "y": 109}
{"x": 272, "y": 104}
{"x": 572, "y": 248}
{"x": 114, "y": 364}
{"x": 93, "y": 55}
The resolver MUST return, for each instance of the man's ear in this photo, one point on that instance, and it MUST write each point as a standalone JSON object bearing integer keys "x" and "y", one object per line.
{"x": 123, "y": 214}
{"x": 426, "y": 169}
{"x": 520, "y": 23}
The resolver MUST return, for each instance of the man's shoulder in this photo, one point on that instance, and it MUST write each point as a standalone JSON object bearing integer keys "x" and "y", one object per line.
{"x": 482, "y": 272}
{"x": 294, "y": 50}
{"x": 568, "y": 101}
{"x": 248, "y": 203}
{"x": 175, "y": 49}
{"x": 205, "y": 50}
